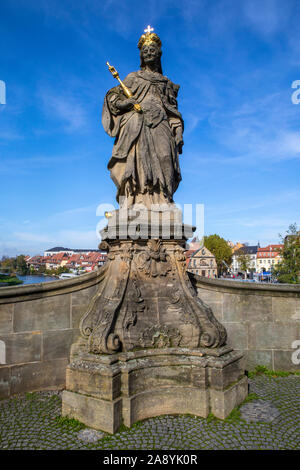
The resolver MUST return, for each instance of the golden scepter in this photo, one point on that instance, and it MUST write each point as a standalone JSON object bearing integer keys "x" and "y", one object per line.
{"x": 126, "y": 90}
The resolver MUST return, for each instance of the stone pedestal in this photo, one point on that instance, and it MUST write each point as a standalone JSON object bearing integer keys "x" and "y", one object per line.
{"x": 149, "y": 345}
{"x": 104, "y": 391}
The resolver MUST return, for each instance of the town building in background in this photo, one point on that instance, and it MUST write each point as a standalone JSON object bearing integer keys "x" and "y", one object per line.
{"x": 69, "y": 251}
{"x": 195, "y": 244}
{"x": 235, "y": 246}
{"x": 74, "y": 260}
{"x": 202, "y": 262}
{"x": 268, "y": 257}
{"x": 244, "y": 259}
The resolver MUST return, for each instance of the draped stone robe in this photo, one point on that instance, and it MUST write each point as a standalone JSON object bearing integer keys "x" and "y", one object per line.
{"x": 144, "y": 163}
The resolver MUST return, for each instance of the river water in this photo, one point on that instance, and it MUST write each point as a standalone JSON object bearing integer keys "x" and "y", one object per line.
{"x": 36, "y": 279}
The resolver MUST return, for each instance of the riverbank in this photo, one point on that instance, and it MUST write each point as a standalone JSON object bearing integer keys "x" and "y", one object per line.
{"x": 7, "y": 280}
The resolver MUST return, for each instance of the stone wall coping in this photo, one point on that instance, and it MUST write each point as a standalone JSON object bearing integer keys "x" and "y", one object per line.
{"x": 46, "y": 289}
{"x": 245, "y": 287}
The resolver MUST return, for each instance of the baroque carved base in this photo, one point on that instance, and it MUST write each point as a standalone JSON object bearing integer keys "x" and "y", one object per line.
{"x": 147, "y": 301}
{"x": 149, "y": 345}
{"x": 104, "y": 391}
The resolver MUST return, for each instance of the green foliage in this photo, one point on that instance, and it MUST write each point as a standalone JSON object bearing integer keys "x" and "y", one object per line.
{"x": 69, "y": 423}
{"x": 251, "y": 397}
{"x": 41, "y": 269}
{"x": 10, "y": 280}
{"x": 12, "y": 265}
{"x": 22, "y": 267}
{"x": 122, "y": 428}
{"x": 51, "y": 272}
{"x": 235, "y": 415}
{"x": 263, "y": 370}
{"x": 244, "y": 261}
{"x": 219, "y": 247}
{"x": 211, "y": 418}
{"x": 19, "y": 265}
{"x": 288, "y": 269}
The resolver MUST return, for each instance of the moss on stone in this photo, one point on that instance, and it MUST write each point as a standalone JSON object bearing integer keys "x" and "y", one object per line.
{"x": 263, "y": 370}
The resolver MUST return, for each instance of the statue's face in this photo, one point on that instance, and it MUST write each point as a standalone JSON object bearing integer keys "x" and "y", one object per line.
{"x": 150, "y": 54}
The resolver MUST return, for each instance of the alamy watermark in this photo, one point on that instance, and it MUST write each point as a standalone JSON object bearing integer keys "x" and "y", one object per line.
{"x": 164, "y": 221}
{"x": 296, "y": 354}
{"x": 2, "y": 92}
{"x": 2, "y": 352}
{"x": 295, "y": 95}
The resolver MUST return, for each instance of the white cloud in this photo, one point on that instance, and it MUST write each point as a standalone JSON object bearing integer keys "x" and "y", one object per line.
{"x": 37, "y": 242}
{"x": 32, "y": 237}
{"x": 25, "y": 165}
{"x": 66, "y": 107}
{"x": 268, "y": 16}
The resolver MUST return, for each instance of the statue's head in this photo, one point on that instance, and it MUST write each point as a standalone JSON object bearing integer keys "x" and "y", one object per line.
{"x": 150, "y": 50}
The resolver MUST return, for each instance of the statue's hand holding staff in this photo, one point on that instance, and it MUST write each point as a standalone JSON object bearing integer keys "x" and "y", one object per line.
{"x": 126, "y": 105}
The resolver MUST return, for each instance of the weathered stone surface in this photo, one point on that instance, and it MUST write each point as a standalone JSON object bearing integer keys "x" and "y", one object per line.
{"x": 84, "y": 296}
{"x": 273, "y": 335}
{"x": 286, "y": 360}
{"x": 4, "y": 382}
{"x": 208, "y": 295}
{"x": 38, "y": 375}
{"x": 147, "y": 301}
{"x": 57, "y": 344}
{"x": 77, "y": 313}
{"x": 169, "y": 400}
{"x": 286, "y": 309}
{"x": 237, "y": 334}
{"x": 6, "y": 317}
{"x": 214, "y": 300}
{"x": 51, "y": 313}
{"x": 259, "y": 411}
{"x": 22, "y": 347}
{"x": 156, "y": 376}
{"x": 144, "y": 176}
{"x": 153, "y": 382}
{"x": 93, "y": 381}
{"x": 247, "y": 307}
{"x": 220, "y": 379}
{"x": 95, "y": 413}
{"x": 254, "y": 358}
{"x": 223, "y": 402}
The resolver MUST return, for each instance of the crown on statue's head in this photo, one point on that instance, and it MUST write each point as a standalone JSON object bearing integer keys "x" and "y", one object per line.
{"x": 149, "y": 38}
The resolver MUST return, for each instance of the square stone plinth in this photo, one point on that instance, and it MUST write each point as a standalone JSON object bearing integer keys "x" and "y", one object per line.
{"x": 104, "y": 391}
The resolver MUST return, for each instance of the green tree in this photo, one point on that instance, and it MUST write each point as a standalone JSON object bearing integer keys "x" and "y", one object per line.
{"x": 8, "y": 264}
{"x": 244, "y": 261}
{"x": 62, "y": 269}
{"x": 288, "y": 269}
{"x": 41, "y": 269}
{"x": 219, "y": 247}
{"x": 21, "y": 265}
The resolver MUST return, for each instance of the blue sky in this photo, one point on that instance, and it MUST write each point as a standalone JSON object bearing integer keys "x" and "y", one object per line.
{"x": 235, "y": 62}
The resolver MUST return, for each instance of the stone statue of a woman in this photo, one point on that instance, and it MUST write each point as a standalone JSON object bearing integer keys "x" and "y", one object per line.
{"x": 144, "y": 163}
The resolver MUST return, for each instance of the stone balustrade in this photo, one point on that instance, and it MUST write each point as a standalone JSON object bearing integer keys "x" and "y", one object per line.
{"x": 262, "y": 320}
{"x": 39, "y": 322}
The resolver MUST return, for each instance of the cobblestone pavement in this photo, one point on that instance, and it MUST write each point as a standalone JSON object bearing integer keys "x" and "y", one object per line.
{"x": 270, "y": 421}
